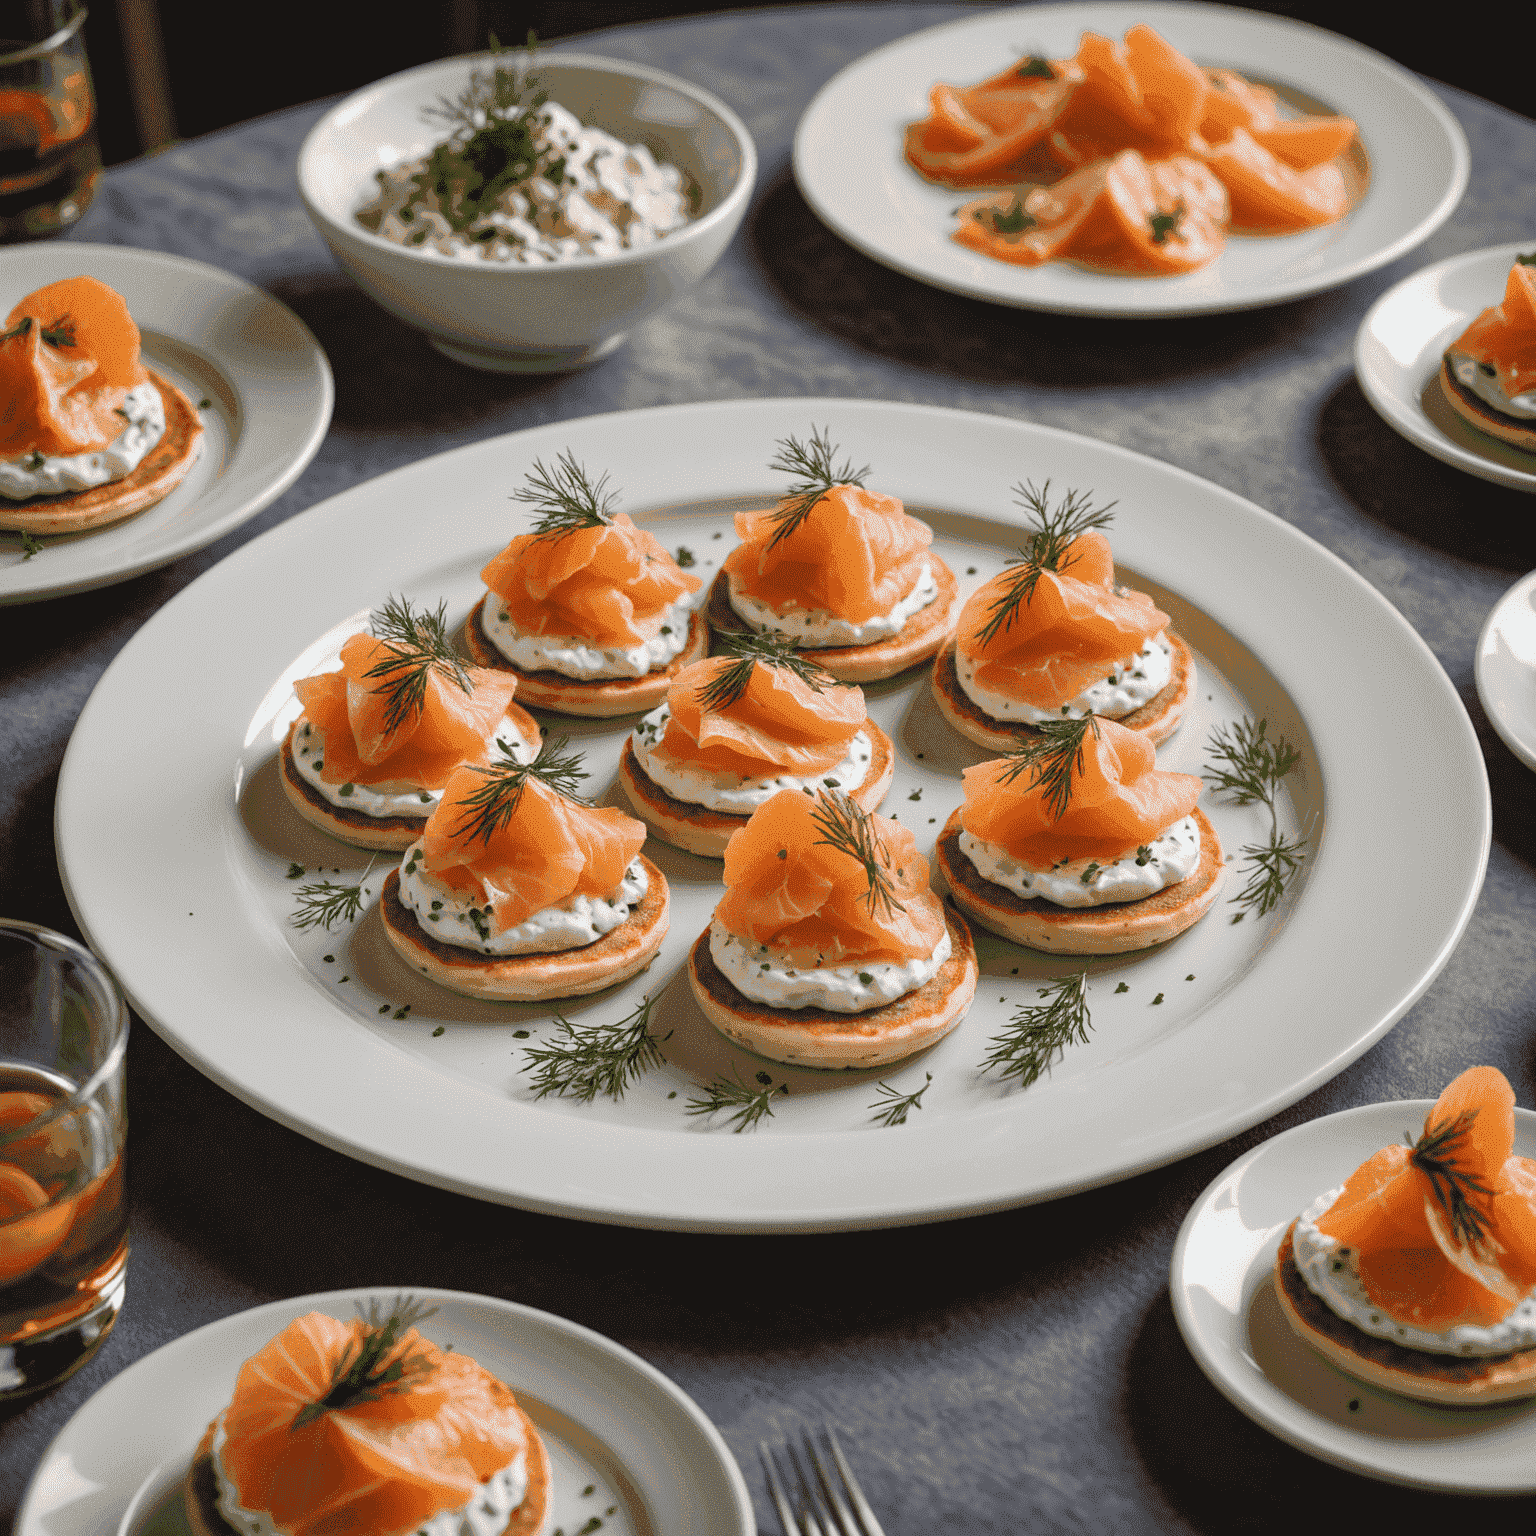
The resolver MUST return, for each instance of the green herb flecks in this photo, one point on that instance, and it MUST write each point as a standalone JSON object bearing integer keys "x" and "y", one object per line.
{"x": 61, "y": 333}
{"x": 1012, "y": 220}
{"x": 892, "y": 1108}
{"x": 491, "y": 806}
{"x": 1036, "y": 67}
{"x": 586, "y": 1060}
{"x": 1437, "y": 1154}
{"x": 1052, "y": 761}
{"x": 1045, "y": 549}
{"x": 416, "y": 647}
{"x": 565, "y": 498}
{"x": 1165, "y": 226}
{"x": 324, "y": 903}
{"x": 1039, "y": 1033}
{"x": 370, "y": 1367}
{"x": 30, "y": 546}
{"x": 811, "y": 465}
{"x": 749, "y": 649}
{"x": 750, "y": 1104}
{"x": 1526, "y": 261}
{"x": 849, "y": 829}
{"x": 1249, "y": 767}
{"x": 493, "y": 142}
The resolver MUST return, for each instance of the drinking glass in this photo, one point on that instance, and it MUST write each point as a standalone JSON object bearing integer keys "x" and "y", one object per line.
{"x": 63, "y": 1121}
{"x": 49, "y": 163}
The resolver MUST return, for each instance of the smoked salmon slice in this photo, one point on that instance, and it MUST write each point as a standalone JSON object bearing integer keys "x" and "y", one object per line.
{"x": 1504, "y": 337}
{"x": 1445, "y": 1230}
{"x": 364, "y": 1426}
{"x": 400, "y": 713}
{"x": 1117, "y": 800}
{"x": 69, "y": 354}
{"x": 504, "y": 836}
{"x": 1270, "y": 195}
{"x": 821, "y": 882}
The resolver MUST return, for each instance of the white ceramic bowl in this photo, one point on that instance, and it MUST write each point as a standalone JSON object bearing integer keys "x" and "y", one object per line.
{"x": 514, "y": 318}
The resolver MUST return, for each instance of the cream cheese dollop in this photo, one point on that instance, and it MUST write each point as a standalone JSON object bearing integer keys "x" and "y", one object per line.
{"x": 812, "y": 627}
{"x": 39, "y": 475}
{"x": 1485, "y": 385}
{"x": 1128, "y": 685}
{"x": 753, "y": 970}
{"x": 392, "y": 798}
{"x": 486, "y": 1514}
{"x": 448, "y": 916}
{"x": 572, "y": 656}
{"x": 1332, "y": 1274}
{"x": 725, "y": 792}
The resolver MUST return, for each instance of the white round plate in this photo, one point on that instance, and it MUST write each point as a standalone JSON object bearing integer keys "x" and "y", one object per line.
{"x": 1224, "y": 1299}
{"x": 850, "y": 167}
{"x": 608, "y": 1418}
{"x": 1397, "y": 361}
{"x": 176, "y": 843}
{"x": 267, "y": 386}
{"x": 1506, "y": 668}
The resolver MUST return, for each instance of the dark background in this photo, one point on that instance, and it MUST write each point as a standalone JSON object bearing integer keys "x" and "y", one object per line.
{"x": 225, "y": 64}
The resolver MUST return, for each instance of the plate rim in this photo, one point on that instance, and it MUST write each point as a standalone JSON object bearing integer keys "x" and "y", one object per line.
{"x": 30, "y": 1520}
{"x": 747, "y": 1155}
{"x": 1454, "y": 138}
{"x": 316, "y": 374}
{"x": 1334, "y": 1447}
{"x": 1406, "y": 417}
{"x": 1522, "y": 748}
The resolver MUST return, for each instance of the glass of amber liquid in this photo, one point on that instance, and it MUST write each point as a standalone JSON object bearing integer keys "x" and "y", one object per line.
{"x": 63, "y": 1121}
{"x": 49, "y": 163}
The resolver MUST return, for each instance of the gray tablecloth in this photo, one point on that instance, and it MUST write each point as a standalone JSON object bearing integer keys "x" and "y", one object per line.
{"x": 1018, "y": 1372}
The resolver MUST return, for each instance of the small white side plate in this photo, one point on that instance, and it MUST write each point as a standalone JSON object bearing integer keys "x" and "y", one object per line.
{"x": 1225, "y": 1303}
{"x": 1506, "y": 669}
{"x": 655, "y": 1462}
{"x": 1397, "y": 361}
{"x": 268, "y": 390}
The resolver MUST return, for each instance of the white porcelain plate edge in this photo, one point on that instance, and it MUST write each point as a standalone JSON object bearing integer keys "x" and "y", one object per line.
{"x": 1397, "y": 357}
{"x": 146, "y": 839}
{"x": 276, "y": 399}
{"x": 1505, "y": 668}
{"x": 849, "y": 166}
{"x": 677, "y": 1462}
{"x": 1220, "y": 1268}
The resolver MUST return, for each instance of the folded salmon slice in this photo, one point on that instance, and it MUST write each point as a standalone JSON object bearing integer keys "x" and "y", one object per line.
{"x": 388, "y": 1461}
{"x": 1445, "y": 1230}
{"x": 821, "y": 882}
{"x": 1119, "y": 801}
{"x": 453, "y": 724}
{"x": 983, "y": 136}
{"x": 780, "y": 723}
{"x": 609, "y": 585}
{"x": 1267, "y": 194}
{"x": 854, "y": 555}
{"x": 69, "y": 354}
{"x": 540, "y": 849}
{"x": 1504, "y": 337}
{"x": 1073, "y": 629}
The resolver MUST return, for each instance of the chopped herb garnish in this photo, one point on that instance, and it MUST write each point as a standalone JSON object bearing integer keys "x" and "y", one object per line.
{"x": 891, "y": 1108}
{"x": 685, "y": 556}
{"x": 1249, "y": 767}
{"x": 1012, "y": 220}
{"x": 1165, "y": 226}
{"x": 295, "y": 871}
{"x": 1040, "y": 1033}
{"x": 750, "y": 1104}
{"x": 811, "y": 464}
{"x": 1156, "y": 1000}
{"x": 1122, "y": 988}
{"x": 372, "y": 1367}
{"x": 29, "y": 546}
{"x": 588, "y": 1059}
{"x": 1036, "y": 67}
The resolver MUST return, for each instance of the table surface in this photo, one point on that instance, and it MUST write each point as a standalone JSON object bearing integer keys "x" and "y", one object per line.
{"x": 1015, "y": 1372}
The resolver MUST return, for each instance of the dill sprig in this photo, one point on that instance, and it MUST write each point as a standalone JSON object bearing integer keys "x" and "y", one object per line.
{"x": 1053, "y": 761}
{"x": 811, "y": 464}
{"x": 588, "y": 1059}
{"x": 365, "y": 1372}
{"x": 747, "y": 650}
{"x": 417, "y": 645}
{"x": 850, "y": 830}
{"x": 488, "y": 808}
{"x": 1249, "y": 766}
{"x": 324, "y": 903}
{"x": 1044, "y": 549}
{"x": 750, "y": 1104}
{"x": 891, "y": 1107}
{"x": 565, "y": 499}
{"x": 1040, "y": 1033}
{"x": 1436, "y": 1153}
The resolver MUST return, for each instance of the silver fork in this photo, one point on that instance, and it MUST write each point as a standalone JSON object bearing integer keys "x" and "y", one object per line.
{"x": 827, "y": 1501}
